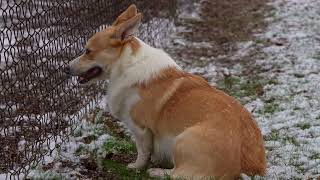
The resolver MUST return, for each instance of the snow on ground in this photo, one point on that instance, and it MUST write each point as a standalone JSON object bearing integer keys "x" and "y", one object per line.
{"x": 66, "y": 161}
{"x": 292, "y": 129}
{"x": 289, "y": 110}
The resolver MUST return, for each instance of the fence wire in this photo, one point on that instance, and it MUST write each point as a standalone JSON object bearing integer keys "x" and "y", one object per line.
{"x": 38, "y": 103}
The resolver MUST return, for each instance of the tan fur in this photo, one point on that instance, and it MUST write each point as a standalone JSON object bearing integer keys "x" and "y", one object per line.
{"x": 106, "y": 45}
{"x": 216, "y": 135}
{"x": 104, "y": 40}
{"x": 126, "y": 15}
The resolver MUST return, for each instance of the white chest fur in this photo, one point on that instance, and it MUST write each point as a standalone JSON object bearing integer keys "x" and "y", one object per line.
{"x": 132, "y": 69}
{"x": 121, "y": 102}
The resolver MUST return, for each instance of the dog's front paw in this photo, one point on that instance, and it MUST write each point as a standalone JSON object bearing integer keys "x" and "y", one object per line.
{"x": 158, "y": 172}
{"x": 136, "y": 165}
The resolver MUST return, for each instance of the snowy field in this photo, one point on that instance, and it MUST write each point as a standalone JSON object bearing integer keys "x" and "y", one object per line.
{"x": 287, "y": 106}
{"x": 292, "y": 130}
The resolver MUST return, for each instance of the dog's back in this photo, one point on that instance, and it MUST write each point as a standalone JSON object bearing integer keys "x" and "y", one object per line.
{"x": 215, "y": 135}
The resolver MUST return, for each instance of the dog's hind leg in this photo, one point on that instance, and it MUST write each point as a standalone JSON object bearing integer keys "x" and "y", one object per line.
{"x": 207, "y": 152}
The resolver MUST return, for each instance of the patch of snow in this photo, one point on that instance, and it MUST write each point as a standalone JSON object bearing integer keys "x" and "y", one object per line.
{"x": 255, "y": 104}
{"x": 243, "y": 49}
{"x": 103, "y": 104}
{"x": 190, "y": 12}
{"x": 293, "y": 150}
{"x": 67, "y": 151}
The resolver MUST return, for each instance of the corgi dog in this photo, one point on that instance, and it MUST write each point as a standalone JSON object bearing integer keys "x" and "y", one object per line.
{"x": 174, "y": 116}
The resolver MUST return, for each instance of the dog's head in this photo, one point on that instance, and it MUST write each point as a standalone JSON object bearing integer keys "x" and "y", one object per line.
{"x": 104, "y": 48}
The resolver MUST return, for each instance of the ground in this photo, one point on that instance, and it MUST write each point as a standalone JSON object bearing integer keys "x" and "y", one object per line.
{"x": 265, "y": 54}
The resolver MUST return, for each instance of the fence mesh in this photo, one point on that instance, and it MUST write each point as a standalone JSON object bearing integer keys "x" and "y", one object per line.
{"x": 38, "y": 103}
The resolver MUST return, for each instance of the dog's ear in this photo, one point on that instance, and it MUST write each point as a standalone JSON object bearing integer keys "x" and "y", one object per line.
{"x": 130, "y": 12}
{"x": 128, "y": 28}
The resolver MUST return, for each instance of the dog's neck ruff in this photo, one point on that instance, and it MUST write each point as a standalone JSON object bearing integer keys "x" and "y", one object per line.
{"x": 138, "y": 68}
{"x": 134, "y": 69}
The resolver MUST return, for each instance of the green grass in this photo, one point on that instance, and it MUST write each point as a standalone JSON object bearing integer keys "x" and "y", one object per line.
{"x": 122, "y": 171}
{"x": 98, "y": 131}
{"x": 77, "y": 133}
{"x": 270, "y": 108}
{"x": 239, "y": 88}
{"x": 304, "y": 126}
{"x": 315, "y": 156}
{"x": 273, "y": 136}
{"x": 260, "y": 41}
{"x": 81, "y": 150}
{"x": 317, "y": 56}
{"x": 98, "y": 119}
{"x": 228, "y": 83}
{"x": 291, "y": 140}
{"x": 115, "y": 145}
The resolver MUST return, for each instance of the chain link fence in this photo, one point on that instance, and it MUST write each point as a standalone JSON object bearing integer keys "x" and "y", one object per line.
{"x": 38, "y": 103}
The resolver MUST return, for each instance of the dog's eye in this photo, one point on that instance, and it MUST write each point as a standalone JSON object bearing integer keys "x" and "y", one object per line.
{"x": 87, "y": 51}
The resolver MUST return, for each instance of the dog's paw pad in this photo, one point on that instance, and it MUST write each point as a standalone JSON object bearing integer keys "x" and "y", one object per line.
{"x": 131, "y": 166}
{"x": 134, "y": 166}
{"x": 158, "y": 172}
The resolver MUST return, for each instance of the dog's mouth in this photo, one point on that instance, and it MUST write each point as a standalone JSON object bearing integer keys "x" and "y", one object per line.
{"x": 90, "y": 74}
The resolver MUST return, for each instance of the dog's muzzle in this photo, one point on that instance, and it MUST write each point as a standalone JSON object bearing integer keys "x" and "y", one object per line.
{"x": 86, "y": 76}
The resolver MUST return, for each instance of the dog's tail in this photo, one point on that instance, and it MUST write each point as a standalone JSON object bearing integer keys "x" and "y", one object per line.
{"x": 253, "y": 158}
